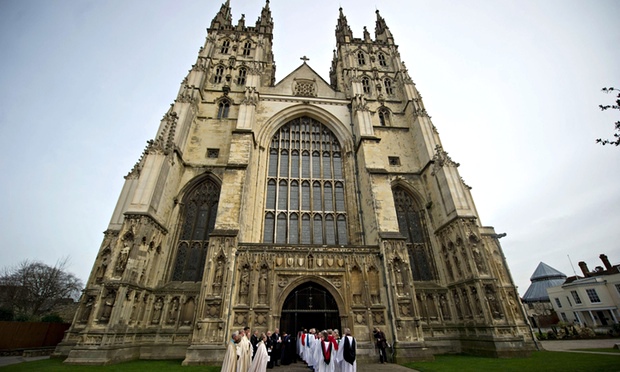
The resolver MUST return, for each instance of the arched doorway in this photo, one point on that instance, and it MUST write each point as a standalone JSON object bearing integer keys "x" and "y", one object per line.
{"x": 309, "y": 305}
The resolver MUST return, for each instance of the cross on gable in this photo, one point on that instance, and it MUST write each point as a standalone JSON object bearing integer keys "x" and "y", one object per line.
{"x": 304, "y": 58}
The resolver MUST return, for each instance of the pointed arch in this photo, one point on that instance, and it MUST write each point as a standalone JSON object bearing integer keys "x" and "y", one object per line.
{"x": 412, "y": 225}
{"x": 223, "y": 108}
{"x": 366, "y": 85}
{"x": 385, "y": 117}
{"x": 197, "y": 221}
{"x": 315, "y": 200}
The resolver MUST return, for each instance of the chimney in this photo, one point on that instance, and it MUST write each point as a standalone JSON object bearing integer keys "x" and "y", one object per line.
{"x": 605, "y": 261}
{"x": 584, "y": 268}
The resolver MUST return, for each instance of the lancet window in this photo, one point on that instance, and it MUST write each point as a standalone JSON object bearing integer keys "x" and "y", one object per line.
{"x": 199, "y": 210}
{"x": 381, "y": 59}
{"x": 389, "y": 90}
{"x": 247, "y": 48}
{"x": 223, "y": 108}
{"x": 242, "y": 74}
{"x": 225, "y": 46}
{"x": 366, "y": 85}
{"x": 361, "y": 59}
{"x": 411, "y": 223}
{"x": 305, "y": 197}
{"x": 219, "y": 73}
{"x": 384, "y": 117}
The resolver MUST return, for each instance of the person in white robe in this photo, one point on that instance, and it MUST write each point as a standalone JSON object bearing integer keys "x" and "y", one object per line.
{"x": 337, "y": 339}
{"x": 230, "y": 359}
{"x": 259, "y": 363}
{"x": 316, "y": 350}
{"x": 308, "y": 352}
{"x": 245, "y": 353}
{"x": 324, "y": 354}
{"x": 347, "y": 350}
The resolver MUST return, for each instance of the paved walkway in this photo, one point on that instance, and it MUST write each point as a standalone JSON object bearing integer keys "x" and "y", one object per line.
{"x": 8, "y": 360}
{"x": 363, "y": 367}
{"x": 571, "y": 346}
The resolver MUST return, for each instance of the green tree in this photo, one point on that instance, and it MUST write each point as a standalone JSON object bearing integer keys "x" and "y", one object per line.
{"x": 617, "y": 124}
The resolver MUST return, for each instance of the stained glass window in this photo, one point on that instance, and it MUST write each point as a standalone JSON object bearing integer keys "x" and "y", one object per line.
{"x": 309, "y": 189}
{"x": 198, "y": 220}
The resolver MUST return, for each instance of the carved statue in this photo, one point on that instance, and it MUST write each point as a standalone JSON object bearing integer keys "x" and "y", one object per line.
{"x": 173, "y": 313}
{"x": 123, "y": 256}
{"x": 108, "y": 304}
{"x": 88, "y": 307}
{"x": 157, "y": 306}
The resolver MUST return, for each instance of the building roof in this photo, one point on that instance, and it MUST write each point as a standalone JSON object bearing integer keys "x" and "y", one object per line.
{"x": 544, "y": 277}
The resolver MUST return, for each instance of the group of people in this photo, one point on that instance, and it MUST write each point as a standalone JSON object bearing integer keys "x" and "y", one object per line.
{"x": 259, "y": 351}
{"x": 323, "y": 351}
{"x": 326, "y": 352}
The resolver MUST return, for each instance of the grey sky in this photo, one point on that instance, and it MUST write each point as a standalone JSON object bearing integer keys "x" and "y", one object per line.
{"x": 512, "y": 86}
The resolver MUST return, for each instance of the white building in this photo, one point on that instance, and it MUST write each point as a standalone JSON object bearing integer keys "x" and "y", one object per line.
{"x": 592, "y": 301}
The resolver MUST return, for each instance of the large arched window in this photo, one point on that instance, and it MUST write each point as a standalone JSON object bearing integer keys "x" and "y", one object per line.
{"x": 305, "y": 201}
{"x": 411, "y": 225}
{"x": 199, "y": 209}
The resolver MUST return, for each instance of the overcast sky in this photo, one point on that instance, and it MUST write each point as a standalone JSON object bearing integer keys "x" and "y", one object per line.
{"x": 512, "y": 86}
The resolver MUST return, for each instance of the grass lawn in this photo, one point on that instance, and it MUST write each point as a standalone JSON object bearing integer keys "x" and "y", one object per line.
{"x": 546, "y": 361}
{"x": 51, "y": 365}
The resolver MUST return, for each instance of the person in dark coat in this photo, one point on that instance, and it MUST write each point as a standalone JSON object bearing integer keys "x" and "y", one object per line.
{"x": 269, "y": 345}
{"x": 276, "y": 338}
{"x": 288, "y": 349}
{"x": 254, "y": 341}
{"x": 381, "y": 344}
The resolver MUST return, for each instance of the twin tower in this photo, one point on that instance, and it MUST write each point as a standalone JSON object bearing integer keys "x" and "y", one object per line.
{"x": 295, "y": 204}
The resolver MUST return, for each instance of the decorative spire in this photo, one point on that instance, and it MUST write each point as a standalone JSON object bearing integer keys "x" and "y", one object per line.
{"x": 343, "y": 31}
{"x": 223, "y": 17}
{"x": 265, "y": 22}
{"x": 382, "y": 32}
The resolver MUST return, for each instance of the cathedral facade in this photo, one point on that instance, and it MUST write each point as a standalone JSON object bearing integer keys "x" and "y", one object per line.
{"x": 290, "y": 204}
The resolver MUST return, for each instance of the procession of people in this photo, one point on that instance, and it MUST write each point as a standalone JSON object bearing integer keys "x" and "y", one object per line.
{"x": 322, "y": 351}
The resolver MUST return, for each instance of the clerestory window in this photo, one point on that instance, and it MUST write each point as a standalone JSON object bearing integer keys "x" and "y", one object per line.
{"x": 305, "y": 198}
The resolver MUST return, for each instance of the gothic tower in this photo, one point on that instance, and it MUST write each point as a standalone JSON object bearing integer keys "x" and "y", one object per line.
{"x": 300, "y": 203}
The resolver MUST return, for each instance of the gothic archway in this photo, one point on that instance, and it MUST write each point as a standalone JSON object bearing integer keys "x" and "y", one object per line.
{"x": 309, "y": 305}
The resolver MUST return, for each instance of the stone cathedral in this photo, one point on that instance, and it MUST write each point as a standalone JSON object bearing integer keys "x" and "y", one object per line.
{"x": 290, "y": 204}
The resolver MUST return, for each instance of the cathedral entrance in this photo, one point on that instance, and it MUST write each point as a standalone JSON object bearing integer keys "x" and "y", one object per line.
{"x": 309, "y": 305}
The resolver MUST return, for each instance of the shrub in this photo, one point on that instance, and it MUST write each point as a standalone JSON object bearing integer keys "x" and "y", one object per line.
{"x": 586, "y": 332}
{"x": 6, "y": 314}
{"x": 52, "y": 318}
